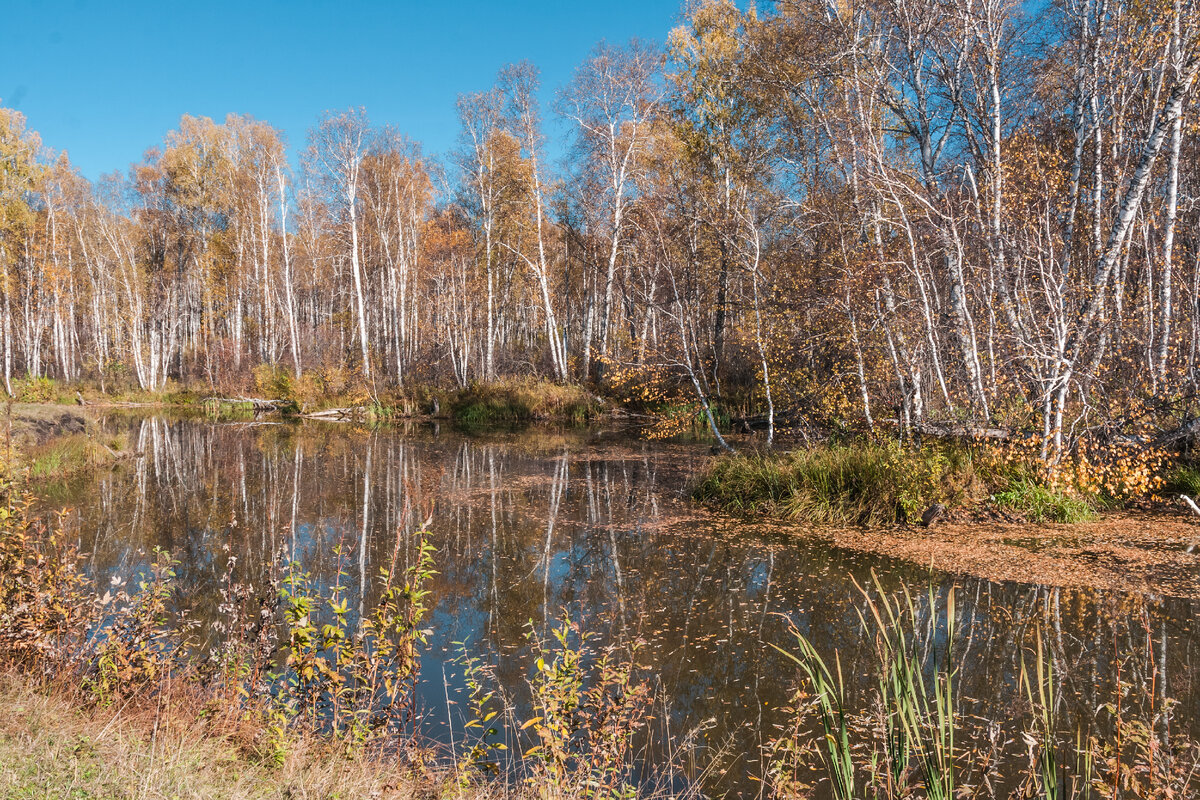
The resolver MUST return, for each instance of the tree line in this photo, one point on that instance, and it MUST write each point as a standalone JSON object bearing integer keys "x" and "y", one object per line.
{"x": 860, "y": 213}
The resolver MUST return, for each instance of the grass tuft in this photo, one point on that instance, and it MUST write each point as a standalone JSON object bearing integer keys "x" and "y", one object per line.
{"x": 862, "y": 484}
{"x": 1185, "y": 479}
{"x": 1039, "y": 503}
{"x": 518, "y": 401}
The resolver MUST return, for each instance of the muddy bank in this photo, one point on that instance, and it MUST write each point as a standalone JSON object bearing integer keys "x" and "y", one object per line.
{"x": 53, "y": 442}
{"x": 33, "y": 424}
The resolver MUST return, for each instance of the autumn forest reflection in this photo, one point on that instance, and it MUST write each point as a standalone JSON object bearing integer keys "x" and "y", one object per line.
{"x": 529, "y": 525}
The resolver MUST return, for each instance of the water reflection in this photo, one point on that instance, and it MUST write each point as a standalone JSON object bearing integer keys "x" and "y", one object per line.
{"x": 528, "y": 525}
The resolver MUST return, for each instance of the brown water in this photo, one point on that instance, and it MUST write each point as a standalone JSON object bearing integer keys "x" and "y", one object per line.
{"x": 530, "y": 524}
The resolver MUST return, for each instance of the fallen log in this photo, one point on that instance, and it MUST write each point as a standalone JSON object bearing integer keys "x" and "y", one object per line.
{"x": 947, "y": 430}
{"x": 257, "y": 404}
{"x": 349, "y": 412}
{"x": 1177, "y": 436}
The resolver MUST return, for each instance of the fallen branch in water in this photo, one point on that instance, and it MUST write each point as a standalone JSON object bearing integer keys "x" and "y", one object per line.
{"x": 258, "y": 404}
{"x": 350, "y": 412}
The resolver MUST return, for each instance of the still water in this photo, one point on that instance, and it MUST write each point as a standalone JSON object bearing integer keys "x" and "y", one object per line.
{"x": 533, "y": 524}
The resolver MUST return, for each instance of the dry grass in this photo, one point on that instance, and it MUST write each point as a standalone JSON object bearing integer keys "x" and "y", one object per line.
{"x": 54, "y": 746}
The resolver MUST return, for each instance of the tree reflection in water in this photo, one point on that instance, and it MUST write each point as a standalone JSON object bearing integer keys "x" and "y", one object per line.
{"x": 530, "y": 524}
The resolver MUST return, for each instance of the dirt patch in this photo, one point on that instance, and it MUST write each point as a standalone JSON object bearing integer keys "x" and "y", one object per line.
{"x": 1144, "y": 552}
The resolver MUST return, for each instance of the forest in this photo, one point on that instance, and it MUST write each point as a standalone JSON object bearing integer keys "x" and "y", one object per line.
{"x": 848, "y": 215}
{"x": 839, "y": 270}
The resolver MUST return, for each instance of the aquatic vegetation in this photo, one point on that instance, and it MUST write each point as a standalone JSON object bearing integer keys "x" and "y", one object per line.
{"x": 905, "y": 740}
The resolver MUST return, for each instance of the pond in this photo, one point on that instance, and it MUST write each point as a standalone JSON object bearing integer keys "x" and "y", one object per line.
{"x": 529, "y": 525}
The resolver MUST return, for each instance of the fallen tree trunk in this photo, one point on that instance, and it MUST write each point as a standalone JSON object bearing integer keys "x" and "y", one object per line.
{"x": 257, "y": 404}
{"x": 1178, "y": 436}
{"x": 947, "y": 430}
{"x": 350, "y": 412}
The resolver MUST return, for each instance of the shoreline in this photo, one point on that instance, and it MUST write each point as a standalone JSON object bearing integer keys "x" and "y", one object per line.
{"x": 1144, "y": 551}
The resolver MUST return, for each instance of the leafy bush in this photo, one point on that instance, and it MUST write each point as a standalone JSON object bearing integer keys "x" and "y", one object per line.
{"x": 273, "y": 382}
{"x": 36, "y": 390}
{"x": 588, "y": 707}
{"x": 355, "y": 674}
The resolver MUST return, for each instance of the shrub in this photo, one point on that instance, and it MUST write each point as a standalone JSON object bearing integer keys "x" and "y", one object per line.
{"x": 36, "y": 390}
{"x": 273, "y": 382}
{"x": 588, "y": 707}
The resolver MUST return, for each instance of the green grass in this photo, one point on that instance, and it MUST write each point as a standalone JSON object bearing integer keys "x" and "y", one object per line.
{"x": 1039, "y": 503}
{"x": 880, "y": 484}
{"x": 64, "y": 456}
{"x": 1184, "y": 479}
{"x": 861, "y": 483}
{"x": 517, "y": 401}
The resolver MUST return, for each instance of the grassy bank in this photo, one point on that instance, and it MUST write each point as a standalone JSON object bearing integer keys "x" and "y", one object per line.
{"x": 870, "y": 483}
{"x": 522, "y": 401}
{"x": 56, "y": 442}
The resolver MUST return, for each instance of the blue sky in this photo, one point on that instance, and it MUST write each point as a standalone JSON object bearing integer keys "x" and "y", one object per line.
{"x": 106, "y": 80}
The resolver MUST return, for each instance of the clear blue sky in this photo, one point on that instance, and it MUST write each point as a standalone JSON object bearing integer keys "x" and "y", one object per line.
{"x": 106, "y": 80}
